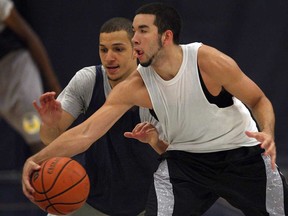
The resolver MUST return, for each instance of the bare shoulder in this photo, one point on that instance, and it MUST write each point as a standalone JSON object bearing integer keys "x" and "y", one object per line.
{"x": 220, "y": 70}
{"x": 217, "y": 65}
{"x": 210, "y": 56}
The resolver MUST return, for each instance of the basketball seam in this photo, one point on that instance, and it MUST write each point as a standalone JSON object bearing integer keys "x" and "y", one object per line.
{"x": 55, "y": 180}
{"x": 44, "y": 191}
{"x": 52, "y": 205}
{"x": 62, "y": 191}
{"x": 45, "y": 194}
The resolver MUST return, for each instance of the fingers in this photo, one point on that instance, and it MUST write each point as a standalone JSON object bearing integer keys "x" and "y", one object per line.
{"x": 139, "y": 127}
{"x": 255, "y": 135}
{"x": 47, "y": 97}
{"x": 143, "y": 132}
{"x": 250, "y": 134}
{"x": 270, "y": 150}
{"x": 267, "y": 143}
{"x": 128, "y": 134}
{"x": 144, "y": 127}
{"x": 273, "y": 161}
{"x": 35, "y": 105}
{"x": 272, "y": 154}
{"x": 27, "y": 188}
{"x": 47, "y": 103}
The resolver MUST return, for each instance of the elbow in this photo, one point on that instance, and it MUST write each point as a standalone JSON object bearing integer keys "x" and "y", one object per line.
{"x": 261, "y": 100}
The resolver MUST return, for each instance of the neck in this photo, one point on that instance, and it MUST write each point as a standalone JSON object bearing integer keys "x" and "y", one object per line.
{"x": 114, "y": 82}
{"x": 168, "y": 62}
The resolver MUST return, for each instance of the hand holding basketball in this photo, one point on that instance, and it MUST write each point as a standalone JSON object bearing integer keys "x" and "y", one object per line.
{"x": 61, "y": 186}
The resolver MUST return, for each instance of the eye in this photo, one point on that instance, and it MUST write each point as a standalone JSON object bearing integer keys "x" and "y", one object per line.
{"x": 119, "y": 49}
{"x": 103, "y": 50}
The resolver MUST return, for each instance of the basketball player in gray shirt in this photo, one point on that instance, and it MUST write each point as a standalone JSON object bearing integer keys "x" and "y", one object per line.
{"x": 120, "y": 169}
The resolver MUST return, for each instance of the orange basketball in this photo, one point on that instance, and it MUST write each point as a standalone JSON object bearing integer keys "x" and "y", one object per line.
{"x": 61, "y": 186}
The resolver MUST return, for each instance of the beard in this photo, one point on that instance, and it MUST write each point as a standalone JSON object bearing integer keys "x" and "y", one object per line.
{"x": 149, "y": 62}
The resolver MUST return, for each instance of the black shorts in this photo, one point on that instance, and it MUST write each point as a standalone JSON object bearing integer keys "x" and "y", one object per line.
{"x": 188, "y": 184}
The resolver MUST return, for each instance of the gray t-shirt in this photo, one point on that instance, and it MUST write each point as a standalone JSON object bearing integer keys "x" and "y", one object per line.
{"x": 76, "y": 96}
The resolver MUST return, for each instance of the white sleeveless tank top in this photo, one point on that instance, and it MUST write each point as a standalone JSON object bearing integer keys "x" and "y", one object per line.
{"x": 190, "y": 123}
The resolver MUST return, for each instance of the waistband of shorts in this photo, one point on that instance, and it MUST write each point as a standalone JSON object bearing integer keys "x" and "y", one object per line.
{"x": 220, "y": 155}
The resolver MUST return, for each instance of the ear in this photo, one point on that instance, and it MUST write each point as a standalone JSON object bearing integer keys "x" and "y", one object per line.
{"x": 167, "y": 37}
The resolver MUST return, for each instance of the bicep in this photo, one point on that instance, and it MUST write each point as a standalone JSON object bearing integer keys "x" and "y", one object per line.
{"x": 226, "y": 73}
{"x": 246, "y": 90}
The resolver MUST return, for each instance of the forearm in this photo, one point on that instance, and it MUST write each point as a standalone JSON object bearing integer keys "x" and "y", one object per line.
{"x": 68, "y": 144}
{"x": 48, "y": 134}
{"x": 264, "y": 115}
{"x": 79, "y": 138}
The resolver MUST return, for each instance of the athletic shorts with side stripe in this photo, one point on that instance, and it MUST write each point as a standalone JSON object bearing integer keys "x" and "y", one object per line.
{"x": 188, "y": 184}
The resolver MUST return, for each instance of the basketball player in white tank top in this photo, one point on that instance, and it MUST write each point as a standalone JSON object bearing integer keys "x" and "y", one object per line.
{"x": 188, "y": 124}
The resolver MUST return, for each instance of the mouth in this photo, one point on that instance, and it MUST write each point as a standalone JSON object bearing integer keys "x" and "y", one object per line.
{"x": 112, "y": 69}
{"x": 139, "y": 53}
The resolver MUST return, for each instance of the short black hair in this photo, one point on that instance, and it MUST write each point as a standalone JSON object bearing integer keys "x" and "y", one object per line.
{"x": 118, "y": 24}
{"x": 166, "y": 18}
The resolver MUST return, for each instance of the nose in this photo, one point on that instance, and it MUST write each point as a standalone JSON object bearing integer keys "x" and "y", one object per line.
{"x": 135, "y": 39}
{"x": 109, "y": 55}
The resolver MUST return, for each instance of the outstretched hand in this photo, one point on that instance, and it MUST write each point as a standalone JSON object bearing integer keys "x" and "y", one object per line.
{"x": 144, "y": 132}
{"x": 50, "y": 109}
{"x": 267, "y": 143}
